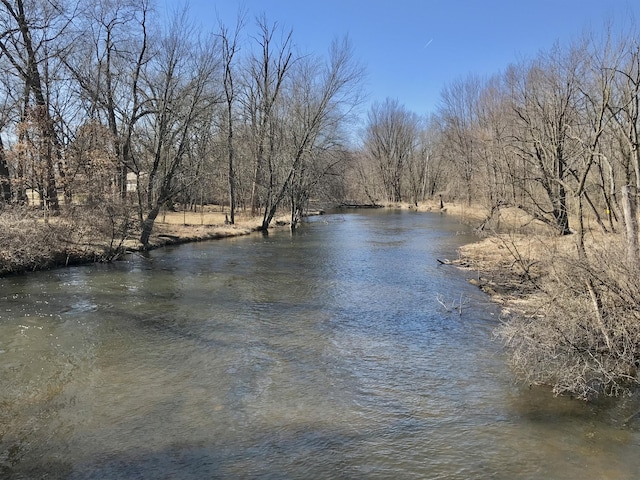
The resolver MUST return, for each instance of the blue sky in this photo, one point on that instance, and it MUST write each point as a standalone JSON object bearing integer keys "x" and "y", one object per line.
{"x": 411, "y": 48}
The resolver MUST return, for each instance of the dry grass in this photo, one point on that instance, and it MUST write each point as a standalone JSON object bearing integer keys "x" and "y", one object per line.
{"x": 213, "y": 216}
{"x": 180, "y": 227}
{"x": 191, "y": 218}
{"x": 27, "y": 242}
{"x": 470, "y": 214}
{"x": 572, "y": 322}
{"x": 102, "y": 233}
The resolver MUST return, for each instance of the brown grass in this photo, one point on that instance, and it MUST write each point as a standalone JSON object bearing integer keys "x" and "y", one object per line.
{"x": 84, "y": 235}
{"x": 181, "y": 227}
{"x": 27, "y": 242}
{"x": 571, "y": 321}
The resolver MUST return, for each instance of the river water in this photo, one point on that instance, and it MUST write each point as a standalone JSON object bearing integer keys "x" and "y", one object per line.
{"x": 342, "y": 351}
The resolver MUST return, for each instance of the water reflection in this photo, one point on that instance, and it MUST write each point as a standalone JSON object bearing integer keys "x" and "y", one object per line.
{"x": 319, "y": 355}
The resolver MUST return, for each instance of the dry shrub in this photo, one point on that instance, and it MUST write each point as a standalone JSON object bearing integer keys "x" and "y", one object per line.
{"x": 583, "y": 336}
{"x": 78, "y": 235}
{"x": 514, "y": 263}
{"x": 508, "y": 219}
{"x": 102, "y": 228}
{"x": 27, "y": 243}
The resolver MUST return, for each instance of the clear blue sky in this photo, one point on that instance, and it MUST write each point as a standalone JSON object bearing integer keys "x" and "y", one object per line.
{"x": 413, "y": 48}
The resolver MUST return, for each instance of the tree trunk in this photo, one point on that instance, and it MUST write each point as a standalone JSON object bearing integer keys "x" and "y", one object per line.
{"x": 630, "y": 209}
{"x": 560, "y": 214}
{"x": 5, "y": 179}
{"x": 232, "y": 173}
{"x": 33, "y": 83}
{"x": 147, "y": 226}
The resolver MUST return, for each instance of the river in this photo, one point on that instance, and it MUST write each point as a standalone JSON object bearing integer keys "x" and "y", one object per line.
{"x": 344, "y": 350}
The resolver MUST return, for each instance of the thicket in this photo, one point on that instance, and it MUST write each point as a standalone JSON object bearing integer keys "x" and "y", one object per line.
{"x": 584, "y": 336}
{"x": 28, "y": 242}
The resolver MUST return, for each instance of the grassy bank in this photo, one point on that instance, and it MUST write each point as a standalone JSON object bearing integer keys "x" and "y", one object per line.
{"x": 29, "y": 242}
{"x": 572, "y": 306}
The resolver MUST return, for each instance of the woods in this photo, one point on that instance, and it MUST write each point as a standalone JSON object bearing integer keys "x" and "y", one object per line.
{"x": 109, "y": 116}
{"x": 554, "y": 137}
{"x": 105, "y": 105}
{"x": 144, "y": 114}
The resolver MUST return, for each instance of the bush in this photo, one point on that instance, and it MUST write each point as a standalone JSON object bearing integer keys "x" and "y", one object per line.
{"x": 77, "y": 235}
{"x": 584, "y": 336}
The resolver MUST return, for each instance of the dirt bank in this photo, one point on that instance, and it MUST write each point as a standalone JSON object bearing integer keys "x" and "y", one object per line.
{"x": 28, "y": 243}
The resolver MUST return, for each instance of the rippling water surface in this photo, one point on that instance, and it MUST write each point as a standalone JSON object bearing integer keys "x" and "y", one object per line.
{"x": 324, "y": 354}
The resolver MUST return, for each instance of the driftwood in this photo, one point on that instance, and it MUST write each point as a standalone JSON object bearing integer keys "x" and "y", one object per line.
{"x": 456, "y": 263}
{"x": 360, "y": 205}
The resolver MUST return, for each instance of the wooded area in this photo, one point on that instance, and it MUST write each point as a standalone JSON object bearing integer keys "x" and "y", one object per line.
{"x": 105, "y": 107}
{"x": 109, "y": 116}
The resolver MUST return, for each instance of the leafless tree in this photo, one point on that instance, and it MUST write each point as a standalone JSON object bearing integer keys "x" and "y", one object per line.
{"x": 230, "y": 46}
{"x": 107, "y": 66}
{"x": 391, "y": 141}
{"x": 624, "y": 109}
{"x": 266, "y": 72}
{"x": 31, "y": 40}
{"x": 322, "y": 96}
{"x": 457, "y": 114}
{"x": 545, "y": 95}
{"x": 179, "y": 91}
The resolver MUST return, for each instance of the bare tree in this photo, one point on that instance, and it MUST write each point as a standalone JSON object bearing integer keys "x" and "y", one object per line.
{"x": 624, "y": 110}
{"x": 108, "y": 67}
{"x": 265, "y": 74}
{"x": 545, "y": 93}
{"x": 31, "y": 35}
{"x": 436, "y": 166}
{"x": 391, "y": 141}
{"x": 322, "y": 97}
{"x": 179, "y": 91}
{"x": 457, "y": 114}
{"x": 230, "y": 45}
{"x": 595, "y": 119}
{"x": 9, "y": 105}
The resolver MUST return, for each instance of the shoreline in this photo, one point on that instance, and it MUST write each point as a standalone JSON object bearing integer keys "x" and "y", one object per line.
{"x": 166, "y": 233}
{"x": 179, "y": 228}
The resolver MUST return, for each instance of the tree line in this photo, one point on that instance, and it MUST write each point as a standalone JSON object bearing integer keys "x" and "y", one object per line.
{"x": 102, "y": 104}
{"x": 553, "y": 135}
{"x": 557, "y": 136}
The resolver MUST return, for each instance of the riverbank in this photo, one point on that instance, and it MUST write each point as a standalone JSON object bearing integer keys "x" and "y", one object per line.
{"x": 29, "y": 242}
{"x": 558, "y": 304}
{"x": 512, "y": 255}
{"x": 571, "y": 310}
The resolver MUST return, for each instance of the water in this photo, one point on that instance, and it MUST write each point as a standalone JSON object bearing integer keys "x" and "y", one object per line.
{"x": 326, "y": 354}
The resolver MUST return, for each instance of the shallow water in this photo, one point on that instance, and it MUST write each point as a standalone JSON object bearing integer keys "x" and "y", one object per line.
{"x": 323, "y": 354}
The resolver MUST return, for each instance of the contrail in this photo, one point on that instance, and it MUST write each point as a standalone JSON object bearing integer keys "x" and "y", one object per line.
{"x": 428, "y": 43}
